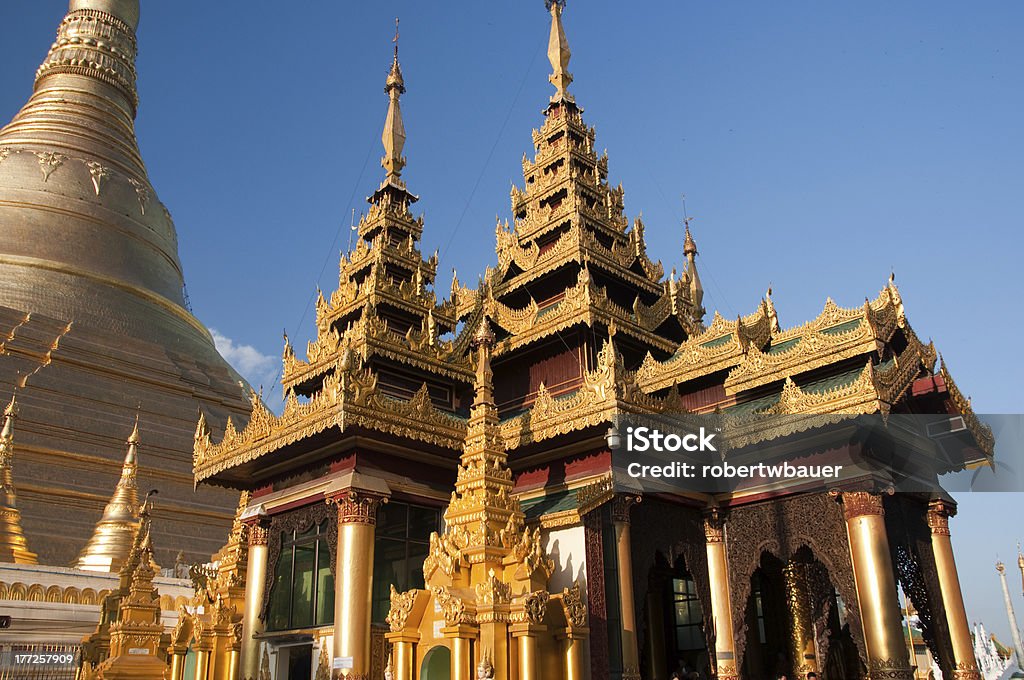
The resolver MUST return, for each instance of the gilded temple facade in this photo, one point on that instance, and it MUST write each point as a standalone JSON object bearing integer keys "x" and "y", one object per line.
{"x": 362, "y": 561}
{"x": 437, "y": 497}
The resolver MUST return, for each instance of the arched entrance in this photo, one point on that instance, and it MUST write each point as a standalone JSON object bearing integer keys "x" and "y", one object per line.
{"x": 796, "y": 621}
{"x": 437, "y": 665}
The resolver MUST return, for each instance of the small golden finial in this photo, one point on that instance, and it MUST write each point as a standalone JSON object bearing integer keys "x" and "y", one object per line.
{"x": 133, "y": 438}
{"x": 10, "y": 413}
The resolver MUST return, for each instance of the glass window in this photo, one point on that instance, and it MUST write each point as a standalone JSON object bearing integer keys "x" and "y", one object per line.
{"x": 402, "y": 544}
{"x": 688, "y": 616}
{"x": 303, "y": 590}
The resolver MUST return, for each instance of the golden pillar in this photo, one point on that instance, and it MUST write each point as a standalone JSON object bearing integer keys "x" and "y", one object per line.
{"x": 721, "y": 601}
{"x": 202, "y": 661}
{"x": 403, "y": 654}
{"x": 575, "y": 659}
{"x": 178, "y": 663}
{"x": 965, "y": 666}
{"x": 802, "y": 650}
{"x": 255, "y": 581}
{"x": 462, "y": 637}
{"x": 880, "y": 613}
{"x": 623, "y": 551}
{"x": 525, "y": 635}
{"x": 357, "y": 519}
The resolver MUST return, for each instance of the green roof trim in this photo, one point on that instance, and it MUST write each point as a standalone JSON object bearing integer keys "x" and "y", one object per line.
{"x": 754, "y": 405}
{"x": 783, "y": 346}
{"x": 839, "y": 329}
{"x": 717, "y": 342}
{"x": 560, "y": 501}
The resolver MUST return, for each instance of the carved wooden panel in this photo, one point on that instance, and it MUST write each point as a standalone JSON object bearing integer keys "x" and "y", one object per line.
{"x": 782, "y": 527}
{"x": 595, "y": 595}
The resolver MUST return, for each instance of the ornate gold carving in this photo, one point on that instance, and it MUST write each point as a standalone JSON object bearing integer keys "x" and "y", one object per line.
{"x": 350, "y": 398}
{"x": 595, "y": 494}
{"x": 357, "y": 507}
{"x": 258, "y": 534}
{"x": 714, "y": 526}
{"x": 493, "y": 591}
{"x": 573, "y": 605}
{"x": 49, "y": 161}
{"x": 718, "y": 347}
{"x": 323, "y": 664}
{"x": 401, "y": 607}
{"x": 534, "y": 607}
{"x": 453, "y": 607}
{"x": 889, "y": 669}
{"x": 860, "y": 503}
{"x": 621, "y": 505}
{"x": 939, "y": 512}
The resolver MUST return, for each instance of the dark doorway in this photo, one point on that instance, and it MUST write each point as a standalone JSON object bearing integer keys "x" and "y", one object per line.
{"x": 300, "y": 662}
{"x": 674, "y": 638}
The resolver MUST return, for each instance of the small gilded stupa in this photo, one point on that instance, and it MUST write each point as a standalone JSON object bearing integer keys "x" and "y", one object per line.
{"x": 13, "y": 544}
{"x": 487, "y": 573}
{"x": 127, "y": 642}
{"x": 111, "y": 542}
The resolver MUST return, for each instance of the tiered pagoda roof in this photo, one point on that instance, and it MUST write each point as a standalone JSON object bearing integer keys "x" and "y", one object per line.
{"x": 575, "y": 289}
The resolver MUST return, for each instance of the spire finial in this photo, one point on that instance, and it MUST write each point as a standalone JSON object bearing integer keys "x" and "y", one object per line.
{"x": 395, "y": 39}
{"x": 558, "y": 53}
{"x": 394, "y": 130}
{"x": 10, "y": 413}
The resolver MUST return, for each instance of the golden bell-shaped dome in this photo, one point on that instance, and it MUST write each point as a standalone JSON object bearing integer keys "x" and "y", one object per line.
{"x": 83, "y": 237}
{"x": 90, "y": 279}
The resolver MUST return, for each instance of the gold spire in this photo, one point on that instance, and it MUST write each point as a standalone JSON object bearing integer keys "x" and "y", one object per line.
{"x": 690, "y": 250}
{"x": 13, "y": 545}
{"x": 558, "y": 53}
{"x": 394, "y": 130}
{"x": 112, "y": 539}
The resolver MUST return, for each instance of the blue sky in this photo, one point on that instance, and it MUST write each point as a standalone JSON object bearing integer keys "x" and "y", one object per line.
{"x": 820, "y": 146}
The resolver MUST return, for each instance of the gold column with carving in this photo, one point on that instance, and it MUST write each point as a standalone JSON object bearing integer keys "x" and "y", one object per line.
{"x": 623, "y": 550}
{"x": 721, "y": 601}
{"x": 881, "y": 617}
{"x": 353, "y": 586}
{"x": 576, "y": 632}
{"x": 255, "y": 580}
{"x": 966, "y": 666}
{"x": 801, "y": 633}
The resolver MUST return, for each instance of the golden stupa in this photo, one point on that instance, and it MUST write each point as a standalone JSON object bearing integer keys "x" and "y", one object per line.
{"x": 94, "y": 322}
